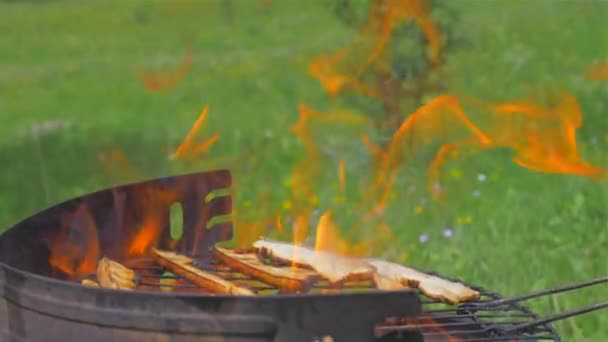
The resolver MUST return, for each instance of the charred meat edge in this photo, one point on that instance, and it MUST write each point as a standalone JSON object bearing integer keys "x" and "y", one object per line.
{"x": 288, "y": 279}
{"x": 183, "y": 266}
{"x": 391, "y": 276}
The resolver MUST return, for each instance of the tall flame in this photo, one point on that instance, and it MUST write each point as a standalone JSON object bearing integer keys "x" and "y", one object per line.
{"x": 75, "y": 250}
{"x": 543, "y": 138}
{"x": 345, "y": 67}
{"x": 597, "y": 72}
{"x": 188, "y": 149}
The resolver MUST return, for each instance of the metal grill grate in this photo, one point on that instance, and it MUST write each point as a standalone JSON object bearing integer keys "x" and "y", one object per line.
{"x": 471, "y": 322}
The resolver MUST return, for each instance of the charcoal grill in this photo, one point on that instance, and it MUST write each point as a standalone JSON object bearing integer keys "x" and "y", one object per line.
{"x": 41, "y": 303}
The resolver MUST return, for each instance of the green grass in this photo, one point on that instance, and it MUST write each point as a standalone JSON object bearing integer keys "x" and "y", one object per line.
{"x": 64, "y": 60}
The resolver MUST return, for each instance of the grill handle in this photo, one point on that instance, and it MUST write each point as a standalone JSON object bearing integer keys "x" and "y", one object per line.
{"x": 542, "y": 293}
{"x": 519, "y": 328}
{"x": 557, "y": 317}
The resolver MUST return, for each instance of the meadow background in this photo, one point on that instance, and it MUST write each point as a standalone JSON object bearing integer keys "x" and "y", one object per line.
{"x": 71, "y": 107}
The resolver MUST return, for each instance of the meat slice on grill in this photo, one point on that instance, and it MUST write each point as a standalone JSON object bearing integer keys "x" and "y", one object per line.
{"x": 390, "y": 276}
{"x": 184, "y": 266}
{"x": 89, "y": 283}
{"x": 333, "y": 267}
{"x": 113, "y": 275}
{"x": 286, "y": 278}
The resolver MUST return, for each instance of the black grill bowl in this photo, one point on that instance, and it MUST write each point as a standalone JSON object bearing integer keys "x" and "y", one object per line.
{"x": 39, "y": 303}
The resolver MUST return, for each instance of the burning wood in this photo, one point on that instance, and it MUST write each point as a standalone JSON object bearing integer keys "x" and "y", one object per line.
{"x": 390, "y": 276}
{"x": 182, "y": 265}
{"x": 285, "y": 278}
{"x": 333, "y": 267}
{"x": 111, "y": 274}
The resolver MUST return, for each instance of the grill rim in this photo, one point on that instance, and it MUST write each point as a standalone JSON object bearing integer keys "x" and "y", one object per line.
{"x": 14, "y": 275}
{"x": 272, "y": 315}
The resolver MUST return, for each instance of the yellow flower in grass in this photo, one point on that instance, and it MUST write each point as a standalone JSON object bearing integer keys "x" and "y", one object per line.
{"x": 314, "y": 200}
{"x": 392, "y": 195}
{"x": 456, "y": 173}
{"x": 495, "y": 176}
{"x": 246, "y": 204}
{"x": 464, "y": 220}
{"x": 419, "y": 209}
{"x": 286, "y": 205}
{"x": 404, "y": 257}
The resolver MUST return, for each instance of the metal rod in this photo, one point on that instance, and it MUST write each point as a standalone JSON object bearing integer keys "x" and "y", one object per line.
{"x": 525, "y": 326}
{"x": 511, "y": 300}
{"x": 493, "y": 338}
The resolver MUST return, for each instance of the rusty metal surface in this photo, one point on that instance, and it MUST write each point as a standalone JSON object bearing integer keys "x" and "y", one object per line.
{"x": 117, "y": 213}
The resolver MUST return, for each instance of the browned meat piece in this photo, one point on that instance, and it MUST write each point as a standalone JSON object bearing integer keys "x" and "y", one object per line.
{"x": 286, "y": 278}
{"x": 390, "y": 276}
{"x": 182, "y": 265}
{"x": 334, "y": 267}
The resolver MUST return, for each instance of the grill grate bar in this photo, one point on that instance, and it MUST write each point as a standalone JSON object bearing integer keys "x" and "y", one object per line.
{"x": 469, "y": 322}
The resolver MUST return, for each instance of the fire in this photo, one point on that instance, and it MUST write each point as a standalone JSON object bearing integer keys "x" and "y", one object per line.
{"x": 329, "y": 238}
{"x": 153, "y": 211}
{"x": 303, "y": 194}
{"x": 597, "y": 72}
{"x": 345, "y": 67}
{"x": 145, "y": 237}
{"x": 543, "y": 138}
{"x": 163, "y": 81}
{"x": 188, "y": 149}
{"x": 75, "y": 250}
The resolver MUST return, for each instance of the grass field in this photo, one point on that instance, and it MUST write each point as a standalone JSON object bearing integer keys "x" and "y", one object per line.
{"x": 71, "y": 63}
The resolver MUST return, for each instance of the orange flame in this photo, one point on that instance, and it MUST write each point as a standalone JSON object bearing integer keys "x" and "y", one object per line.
{"x": 148, "y": 234}
{"x": 597, "y": 72}
{"x": 339, "y": 71}
{"x": 544, "y": 139}
{"x": 163, "y": 81}
{"x": 187, "y": 149}
{"x": 69, "y": 253}
{"x": 145, "y": 238}
{"x": 329, "y": 238}
{"x": 303, "y": 196}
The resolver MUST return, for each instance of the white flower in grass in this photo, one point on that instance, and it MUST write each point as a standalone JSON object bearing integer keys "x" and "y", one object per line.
{"x": 448, "y": 233}
{"x": 481, "y": 177}
{"x": 593, "y": 140}
{"x": 46, "y": 127}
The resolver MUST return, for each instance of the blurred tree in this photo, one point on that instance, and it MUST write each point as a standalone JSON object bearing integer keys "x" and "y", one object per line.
{"x": 413, "y": 39}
